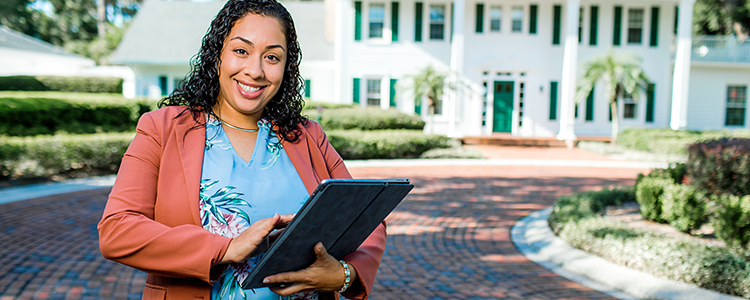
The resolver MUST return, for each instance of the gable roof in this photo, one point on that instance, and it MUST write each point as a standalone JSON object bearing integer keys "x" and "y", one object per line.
{"x": 18, "y": 41}
{"x": 170, "y": 32}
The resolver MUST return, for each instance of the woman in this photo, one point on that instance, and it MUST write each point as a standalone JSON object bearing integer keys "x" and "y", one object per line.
{"x": 209, "y": 177}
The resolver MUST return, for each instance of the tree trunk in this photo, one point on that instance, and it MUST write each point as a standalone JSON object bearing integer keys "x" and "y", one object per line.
{"x": 615, "y": 120}
{"x": 101, "y": 16}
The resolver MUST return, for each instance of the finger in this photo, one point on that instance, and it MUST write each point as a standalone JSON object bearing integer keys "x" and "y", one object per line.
{"x": 320, "y": 250}
{"x": 283, "y": 278}
{"x": 289, "y": 289}
{"x": 284, "y": 220}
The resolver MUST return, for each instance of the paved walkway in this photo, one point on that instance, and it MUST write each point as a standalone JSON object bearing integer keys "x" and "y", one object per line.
{"x": 450, "y": 239}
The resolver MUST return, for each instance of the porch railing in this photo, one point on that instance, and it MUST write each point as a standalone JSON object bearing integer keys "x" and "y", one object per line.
{"x": 721, "y": 49}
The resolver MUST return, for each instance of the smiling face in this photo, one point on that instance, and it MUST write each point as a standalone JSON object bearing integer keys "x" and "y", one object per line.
{"x": 251, "y": 69}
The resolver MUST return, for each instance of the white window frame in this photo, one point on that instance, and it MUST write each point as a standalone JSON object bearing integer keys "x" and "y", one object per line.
{"x": 370, "y": 21}
{"x": 444, "y": 23}
{"x": 369, "y": 95}
{"x": 627, "y": 99}
{"x": 513, "y": 10}
{"x": 499, "y": 21}
{"x": 630, "y": 25}
{"x": 735, "y": 105}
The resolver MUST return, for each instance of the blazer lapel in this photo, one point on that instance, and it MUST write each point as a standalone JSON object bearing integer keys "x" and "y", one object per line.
{"x": 191, "y": 144}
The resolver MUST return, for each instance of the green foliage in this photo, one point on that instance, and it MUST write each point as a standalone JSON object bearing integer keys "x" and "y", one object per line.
{"x": 588, "y": 204}
{"x": 428, "y": 82}
{"x": 454, "y": 152}
{"x": 100, "y": 48}
{"x": 683, "y": 207}
{"x": 61, "y": 84}
{"x": 721, "y": 17}
{"x": 29, "y": 157}
{"x": 732, "y": 221}
{"x": 675, "y": 172}
{"x": 711, "y": 267}
{"x": 319, "y": 105}
{"x": 367, "y": 118}
{"x": 720, "y": 166}
{"x": 380, "y": 144}
{"x": 668, "y": 141}
{"x": 648, "y": 194}
{"x": 33, "y": 113}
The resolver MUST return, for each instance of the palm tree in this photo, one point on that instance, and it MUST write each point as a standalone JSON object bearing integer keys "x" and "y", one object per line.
{"x": 620, "y": 74}
{"x": 427, "y": 82}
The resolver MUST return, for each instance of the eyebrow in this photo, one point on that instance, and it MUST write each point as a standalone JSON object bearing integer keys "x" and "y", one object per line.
{"x": 246, "y": 41}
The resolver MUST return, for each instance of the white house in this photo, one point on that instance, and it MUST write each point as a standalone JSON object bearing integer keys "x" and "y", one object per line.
{"x": 514, "y": 62}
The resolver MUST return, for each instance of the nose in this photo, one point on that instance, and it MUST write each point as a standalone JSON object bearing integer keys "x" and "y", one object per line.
{"x": 254, "y": 68}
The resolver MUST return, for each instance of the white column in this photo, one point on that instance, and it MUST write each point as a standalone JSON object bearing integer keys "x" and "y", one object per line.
{"x": 681, "y": 78}
{"x": 569, "y": 74}
{"x": 457, "y": 64}
{"x": 343, "y": 10}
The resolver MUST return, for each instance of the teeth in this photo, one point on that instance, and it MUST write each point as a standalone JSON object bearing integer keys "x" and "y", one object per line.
{"x": 248, "y": 88}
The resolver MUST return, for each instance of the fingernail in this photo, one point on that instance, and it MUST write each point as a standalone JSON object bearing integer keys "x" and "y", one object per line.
{"x": 266, "y": 280}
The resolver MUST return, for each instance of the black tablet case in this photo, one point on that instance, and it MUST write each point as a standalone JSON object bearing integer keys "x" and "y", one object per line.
{"x": 341, "y": 213}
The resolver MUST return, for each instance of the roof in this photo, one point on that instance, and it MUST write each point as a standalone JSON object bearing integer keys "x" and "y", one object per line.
{"x": 19, "y": 41}
{"x": 170, "y": 32}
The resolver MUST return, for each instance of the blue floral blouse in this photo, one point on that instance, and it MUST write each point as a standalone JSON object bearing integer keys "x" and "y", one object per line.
{"x": 235, "y": 193}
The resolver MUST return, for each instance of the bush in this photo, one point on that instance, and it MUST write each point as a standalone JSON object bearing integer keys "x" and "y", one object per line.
{"x": 720, "y": 166}
{"x": 370, "y": 118}
{"x": 453, "y": 152}
{"x": 648, "y": 193}
{"x": 668, "y": 141}
{"x": 29, "y": 157}
{"x": 356, "y": 144}
{"x": 588, "y": 204}
{"x": 61, "y": 84}
{"x": 683, "y": 207}
{"x": 732, "y": 221}
{"x": 34, "y": 113}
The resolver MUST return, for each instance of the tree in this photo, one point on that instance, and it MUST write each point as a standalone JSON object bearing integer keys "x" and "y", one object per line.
{"x": 621, "y": 74}
{"x": 429, "y": 83}
{"x": 721, "y": 17}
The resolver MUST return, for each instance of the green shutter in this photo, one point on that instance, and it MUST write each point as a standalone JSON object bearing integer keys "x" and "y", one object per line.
{"x": 307, "y": 88}
{"x": 650, "y": 102}
{"x": 610, "y": 111}
{"x": 676, "y": 17}
{"x": 553, "y": 101}
{"x": 418, "y": 22}
{"x": 556, "y": 25}
{"x": 590, "y": 106}
{"x": 594, "y": 28}
{"x": 480, "y": 18}
{"x": 417, "y": 106}
{"x": 357, "y": 20}
{"x": 394, "y": 21}
{"x": 392, "y": 103}
{"x": 355, "y": 90}
{"x": 654, "y": 26}
{"x": 618, "y": 26}
{"x": 532, "y": 18}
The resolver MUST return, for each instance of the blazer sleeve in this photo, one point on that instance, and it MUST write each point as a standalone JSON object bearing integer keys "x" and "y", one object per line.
{"x": 366, "y": 259}
{"x": 128, "y": 232}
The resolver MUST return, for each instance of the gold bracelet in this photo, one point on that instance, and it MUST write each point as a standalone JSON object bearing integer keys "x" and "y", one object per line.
{"x": 347, "y": 273}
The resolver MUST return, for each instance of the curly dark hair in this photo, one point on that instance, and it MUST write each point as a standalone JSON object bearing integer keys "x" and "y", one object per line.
{"x": 200, "y": 90}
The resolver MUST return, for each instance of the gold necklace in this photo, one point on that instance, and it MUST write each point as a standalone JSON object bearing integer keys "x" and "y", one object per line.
{"x": 237, "y": 128}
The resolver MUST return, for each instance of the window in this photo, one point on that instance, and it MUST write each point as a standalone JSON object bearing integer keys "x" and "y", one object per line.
{"x": 480, "y": 18}
{"x": 635, "y": 25}
{"x": 373, "y": 92}
{"x": 437, "y": 22}
{"x": 522, "y": 87}
{"x": 580, "y": 25}
{"x": 629, "y": 106}
{"x": 556, "y": 19}
{"x": 163, "y": 85}
{"x": 496, "y": 17}
{"x": 736, "y": 105}
{"x": 438, "y": 106}
{"x": 376, "y": 15}
{"x": 532, "y": 19}
{"x": 516, "y": 15}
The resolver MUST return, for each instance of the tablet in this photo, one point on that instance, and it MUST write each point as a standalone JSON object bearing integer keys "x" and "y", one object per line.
{"x": 340, "y": 213}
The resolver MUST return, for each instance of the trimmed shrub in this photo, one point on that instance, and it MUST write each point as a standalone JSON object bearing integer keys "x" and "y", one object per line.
{"x": 588, "y": 204}
{"x": 453, "y": 152}
{"x": 648, "y": 194}
{"x": 34, "y": 113}
{"x": 61, "y": 84}
{"x": 720, "y": 166}
{"x": 356, "y": 144}
{"x": 683, "y": 207}
{"x": 370, "y": 118}
{"x": 732, "y": 221}
{"x": 318, "y": 105}
{"x": 668, "y": 141}
{"x": 29, "y": 157}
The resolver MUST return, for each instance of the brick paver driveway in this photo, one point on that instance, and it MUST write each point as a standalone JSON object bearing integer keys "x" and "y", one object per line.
{"x": 450, "y": 239}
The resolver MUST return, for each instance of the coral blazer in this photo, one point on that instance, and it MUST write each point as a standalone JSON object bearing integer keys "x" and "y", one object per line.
{"x": 152, "y": 223}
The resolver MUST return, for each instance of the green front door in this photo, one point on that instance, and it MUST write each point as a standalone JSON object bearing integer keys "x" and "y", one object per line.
{"x": 503, "y": 106}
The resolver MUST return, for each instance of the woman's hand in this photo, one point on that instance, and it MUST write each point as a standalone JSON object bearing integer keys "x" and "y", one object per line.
{"x": 325, "y": 274}
{"x": 255, "y": 239}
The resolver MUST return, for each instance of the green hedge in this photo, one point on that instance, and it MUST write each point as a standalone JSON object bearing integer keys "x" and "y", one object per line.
{"x": 648, "y": 193}
{"x": 61, "y": 84}
{"x": 732, "y": 220}
{"x": 588, "y": 204}
{"x": 720, "y": 166}
{"x": 34, "y": 113}
{"x": 668, "y": 141}
{"x": 42, "y": 156}
{"x": 379, "y": 144}
{"x": 683, "y": 207}
{"x": 367, "y": 118}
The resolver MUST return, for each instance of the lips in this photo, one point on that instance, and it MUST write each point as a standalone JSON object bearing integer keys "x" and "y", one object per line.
{"x": 248, "y": 91}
